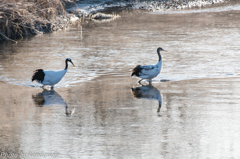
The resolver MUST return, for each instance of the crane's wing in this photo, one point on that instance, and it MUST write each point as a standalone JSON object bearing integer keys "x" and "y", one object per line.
{"x": 53, "y": 76}
{"x": 145, "y": 71}
{"x": 150, "y": 71}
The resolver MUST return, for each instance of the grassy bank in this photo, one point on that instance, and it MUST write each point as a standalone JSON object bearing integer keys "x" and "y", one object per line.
{"x": 19, "y": 18}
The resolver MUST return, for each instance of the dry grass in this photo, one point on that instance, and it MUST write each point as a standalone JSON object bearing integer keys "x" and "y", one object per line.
{"x": 19, "y": 18}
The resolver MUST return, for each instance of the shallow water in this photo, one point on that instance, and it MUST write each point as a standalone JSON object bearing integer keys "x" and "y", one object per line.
{"x": 98, "y": 111}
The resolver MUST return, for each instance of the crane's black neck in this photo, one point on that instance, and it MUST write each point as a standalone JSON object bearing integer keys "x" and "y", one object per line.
{"x": 159, "y": 55}
{"x": 66, "y": 63}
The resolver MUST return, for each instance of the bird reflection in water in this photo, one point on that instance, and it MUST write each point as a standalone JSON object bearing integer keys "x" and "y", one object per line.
{"x": 49, "y": 98}
{"x": 148, "y": 92}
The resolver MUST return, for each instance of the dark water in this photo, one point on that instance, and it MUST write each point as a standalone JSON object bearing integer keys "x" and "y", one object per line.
{"x": 98, "y": 111}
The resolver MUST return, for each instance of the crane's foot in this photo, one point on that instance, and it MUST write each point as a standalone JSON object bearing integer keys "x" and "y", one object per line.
{"x": 140, "y": 81}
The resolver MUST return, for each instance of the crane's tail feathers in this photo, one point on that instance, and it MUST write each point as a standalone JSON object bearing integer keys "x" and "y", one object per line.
{"x": 38, "y": 75}
{"x": 136, "y": 70}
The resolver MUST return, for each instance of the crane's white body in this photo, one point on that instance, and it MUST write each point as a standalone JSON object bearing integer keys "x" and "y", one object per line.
{"x": 52, "y": 77}
{"x": 150, "y": 71}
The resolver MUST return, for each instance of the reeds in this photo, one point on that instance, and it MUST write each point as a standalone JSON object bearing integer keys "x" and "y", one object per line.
{"x": 19, "y": 18}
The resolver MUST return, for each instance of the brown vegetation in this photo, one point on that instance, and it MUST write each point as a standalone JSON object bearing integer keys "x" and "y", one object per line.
{"x": 19, "y": 18}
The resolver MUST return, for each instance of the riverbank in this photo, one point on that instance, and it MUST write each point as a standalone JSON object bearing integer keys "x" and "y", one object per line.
{"x": 21, "y": 18}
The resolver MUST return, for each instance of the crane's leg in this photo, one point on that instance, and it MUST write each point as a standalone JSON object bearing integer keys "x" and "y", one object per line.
{"x": 159, "y": 107}
{"x": 150, "y": 81}
{"x": 140, "y": 81}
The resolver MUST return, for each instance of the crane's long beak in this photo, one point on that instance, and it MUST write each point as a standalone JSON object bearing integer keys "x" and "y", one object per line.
{"x": 72, "y": 63}
{"x": 165, "y": 50}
